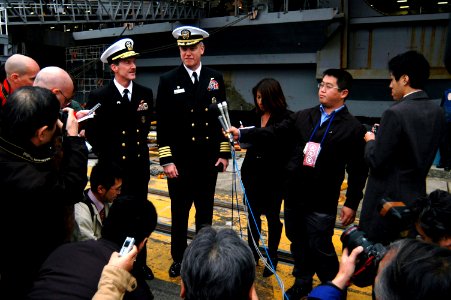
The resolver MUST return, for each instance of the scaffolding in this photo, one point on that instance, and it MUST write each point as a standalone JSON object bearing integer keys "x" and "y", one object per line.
{"x": 100, "y": 11}
{"x": 89, "y": 73}
{"x": 4, "y": 39}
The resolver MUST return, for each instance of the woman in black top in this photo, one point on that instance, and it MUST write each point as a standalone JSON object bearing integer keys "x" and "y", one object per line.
{"x": 263, "y": 168}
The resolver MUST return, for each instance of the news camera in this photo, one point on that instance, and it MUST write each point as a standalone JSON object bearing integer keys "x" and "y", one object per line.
{"x": 399, "y": 216}
{"x": 368, "y": 260}
{"x": 63, "y": 118}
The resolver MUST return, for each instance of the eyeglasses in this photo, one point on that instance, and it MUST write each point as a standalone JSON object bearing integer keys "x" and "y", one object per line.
{"x": 328, "y": 86}
{"x": 67, "y": 101}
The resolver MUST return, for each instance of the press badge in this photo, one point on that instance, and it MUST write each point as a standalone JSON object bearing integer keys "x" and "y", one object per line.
{"x": 311, "y": 152}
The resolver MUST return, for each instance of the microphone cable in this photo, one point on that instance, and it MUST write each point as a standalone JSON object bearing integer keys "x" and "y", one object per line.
{"x": 251, "y": 218}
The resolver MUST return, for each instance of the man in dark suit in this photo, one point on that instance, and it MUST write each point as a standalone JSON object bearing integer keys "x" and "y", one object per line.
{"x": 118, "y": 132}
{"x": 402, "y": 151}
{"x": 191, "y": 145}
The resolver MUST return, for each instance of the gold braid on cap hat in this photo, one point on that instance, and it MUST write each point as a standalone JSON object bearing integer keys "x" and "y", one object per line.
{"x": 125, "y": 55}
{"x": 187, "y": 39}
{"x": 127, "y": 52}
{"x": 189, "y": 42}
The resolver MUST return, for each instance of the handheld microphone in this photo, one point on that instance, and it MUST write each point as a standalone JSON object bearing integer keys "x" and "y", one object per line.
{"x": 226, "y": 111}
{"x": 221, "y": 109}
{"x": 224, "y": 126}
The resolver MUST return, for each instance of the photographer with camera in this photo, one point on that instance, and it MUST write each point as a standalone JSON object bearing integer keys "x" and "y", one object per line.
{"x": 407, "y": 269}
{"x": 434, "y": 220}
{"x": 31, "y": 185}
{"x": 335, "y": 289}
{"x": 427, "y": 217}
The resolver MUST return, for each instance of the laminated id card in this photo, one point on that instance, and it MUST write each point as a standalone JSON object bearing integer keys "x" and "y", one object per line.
{"x": 311, "y": 152}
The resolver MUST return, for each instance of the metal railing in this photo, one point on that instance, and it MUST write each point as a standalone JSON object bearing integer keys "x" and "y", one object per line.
{"x": 22, "y": 12}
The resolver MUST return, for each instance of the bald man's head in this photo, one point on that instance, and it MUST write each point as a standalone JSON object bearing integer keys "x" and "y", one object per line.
{"x": 20, "y": 71}
{"x": 58, "y": 81}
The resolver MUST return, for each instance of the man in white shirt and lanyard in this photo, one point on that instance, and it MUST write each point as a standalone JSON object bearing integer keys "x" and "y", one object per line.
{"x": 329, "y": 142}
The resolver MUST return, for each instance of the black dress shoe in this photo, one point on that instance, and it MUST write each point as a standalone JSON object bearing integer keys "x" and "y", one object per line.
{"x": 147, "y": 273}
{"x": 174, "y": 270}
{"x": 267, "y": 272}
{"x": 296, "y": 292}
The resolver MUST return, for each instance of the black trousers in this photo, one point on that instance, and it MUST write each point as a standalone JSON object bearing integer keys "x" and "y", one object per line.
{"x": 136, "y": 182}
{"x": 310, "y": 234}
{"x": 261, "y": 201}
{"x": 194, "y": 185}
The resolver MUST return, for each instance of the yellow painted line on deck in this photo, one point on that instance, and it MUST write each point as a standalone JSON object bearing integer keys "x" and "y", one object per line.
{"x": 159, "y": 253}
{"x": 159, "y": 257}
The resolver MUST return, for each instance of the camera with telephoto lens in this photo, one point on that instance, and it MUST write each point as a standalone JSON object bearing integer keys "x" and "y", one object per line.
{"x": 368, "y": 260}
{"x": 399, "y": 216}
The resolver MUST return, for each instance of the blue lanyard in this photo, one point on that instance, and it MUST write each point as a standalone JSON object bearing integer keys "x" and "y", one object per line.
{"x": 327, "y": 129}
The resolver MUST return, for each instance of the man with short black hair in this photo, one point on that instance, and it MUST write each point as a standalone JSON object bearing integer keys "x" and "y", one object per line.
{"x": 414, "y": 270}
{"x": 105, "y": 186}
{"x": 434, "y": 221}
{"x": 401, "y": 153}
{"x": 32, "y": 189}
{"x": 218, "y": 264}
{"x": 410, "y": 270}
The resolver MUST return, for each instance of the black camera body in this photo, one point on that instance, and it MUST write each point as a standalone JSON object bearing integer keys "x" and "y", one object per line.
{"x": 368, "y": 260}
{"x": 63, "y": 118}
{"x": 399, "y": 216}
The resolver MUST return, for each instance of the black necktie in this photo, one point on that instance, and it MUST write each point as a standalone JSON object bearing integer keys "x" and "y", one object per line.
{"x": 125, "y": 96}
{"x": 196, "y": 81}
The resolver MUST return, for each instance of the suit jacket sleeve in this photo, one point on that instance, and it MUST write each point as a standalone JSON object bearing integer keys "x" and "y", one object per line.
{"x": 356, "y": 169}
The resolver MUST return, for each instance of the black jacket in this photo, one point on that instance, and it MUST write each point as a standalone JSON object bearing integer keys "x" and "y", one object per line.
{"x": 35, "y": 194}
{"x": 188, "y": 129}
{"x": 400, "y": 158}
{"x": 318, "y": 188}
{"x": 119, "y": 130}
{"x": 263, "y": 167}
{"x": 72, "y": 272}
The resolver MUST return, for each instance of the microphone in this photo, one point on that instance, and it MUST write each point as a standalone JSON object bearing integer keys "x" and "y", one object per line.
{"x": 224, "y": 126}
{"x": 221, "y": 109}
{"x": 226, "y": 111}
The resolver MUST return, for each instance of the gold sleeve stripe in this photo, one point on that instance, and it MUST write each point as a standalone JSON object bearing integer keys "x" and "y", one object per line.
{"x": 164, "y": 151}
{"x": 224, "y": 147}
